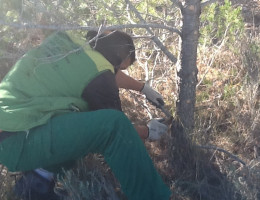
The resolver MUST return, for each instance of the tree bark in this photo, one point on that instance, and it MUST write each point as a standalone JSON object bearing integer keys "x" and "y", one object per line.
{"x": 187, "y": 70}
{"x": 184, "y": 153}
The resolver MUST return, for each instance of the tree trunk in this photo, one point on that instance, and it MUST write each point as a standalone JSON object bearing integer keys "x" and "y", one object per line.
{"x": 184, "y": 154}
{"x": 187, "y": 70}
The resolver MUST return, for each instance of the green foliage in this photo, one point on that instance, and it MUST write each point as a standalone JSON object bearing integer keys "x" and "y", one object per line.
{"x": 151, "y": 7}
{"x": 229, "y": 92}
{"x": 204, "y": 95}
{"x": 221, "y": 23}
{"x": 254, "y": 47}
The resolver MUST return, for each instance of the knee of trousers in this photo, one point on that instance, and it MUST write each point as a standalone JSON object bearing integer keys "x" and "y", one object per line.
{"x": 118, "y": 118}
{"x": 119, "y": 121}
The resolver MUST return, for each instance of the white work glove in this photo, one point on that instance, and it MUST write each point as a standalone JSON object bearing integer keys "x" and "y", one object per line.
{"x": 156, "y": 129}
{"x": 154, "y": 97}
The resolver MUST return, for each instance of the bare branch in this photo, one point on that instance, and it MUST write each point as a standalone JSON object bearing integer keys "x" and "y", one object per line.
{"x": 65, "y": 28}
{"x": 159, "y": 26}
{"x": 222, "y": 150}
{"x": 208, "y": 2}
{"x": 154, "y": 38}
{"x": 177, "y": 3}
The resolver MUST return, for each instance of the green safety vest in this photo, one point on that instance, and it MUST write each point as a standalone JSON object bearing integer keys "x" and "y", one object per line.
{"x": 47, "y": 81}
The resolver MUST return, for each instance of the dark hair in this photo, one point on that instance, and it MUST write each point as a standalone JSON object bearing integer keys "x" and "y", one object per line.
{"x": 115, "y": 46}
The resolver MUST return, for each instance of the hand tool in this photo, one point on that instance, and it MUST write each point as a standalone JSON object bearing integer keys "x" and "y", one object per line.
{"x": 165, "y": 111}
{"x": 169, "y": 117}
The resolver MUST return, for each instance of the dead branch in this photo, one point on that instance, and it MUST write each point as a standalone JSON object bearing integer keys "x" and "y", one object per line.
{"x": 66, "y": 28}
{"x": 221, "y": 150}
{"x": 208, "y": 2}
{"x": 177, "y": 3}
{"x": 154, "y": 38}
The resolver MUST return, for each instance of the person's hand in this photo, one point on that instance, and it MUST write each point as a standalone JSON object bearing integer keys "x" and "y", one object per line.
{"x": 156, "y": 129}
{"x": 154, "y": 97}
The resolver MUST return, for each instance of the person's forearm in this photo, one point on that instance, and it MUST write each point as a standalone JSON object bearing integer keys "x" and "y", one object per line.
{"x": 127, "y": 82}
{"x": 142, "y": 131}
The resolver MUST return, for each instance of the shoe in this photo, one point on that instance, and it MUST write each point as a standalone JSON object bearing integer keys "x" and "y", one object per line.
{"x": 32, "y": 186}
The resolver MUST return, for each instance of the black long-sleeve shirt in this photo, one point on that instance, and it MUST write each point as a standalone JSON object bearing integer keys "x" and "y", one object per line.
{"x": 103, "y": 93}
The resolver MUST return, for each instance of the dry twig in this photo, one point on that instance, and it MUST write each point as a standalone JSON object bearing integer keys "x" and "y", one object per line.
{"x": 221, "y": 150}
{"x": 66, "y": 28}
{"x": 154, "y": 38}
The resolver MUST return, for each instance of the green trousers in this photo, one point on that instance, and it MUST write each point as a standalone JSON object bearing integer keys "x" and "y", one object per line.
{"x": 72, "y": 136}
